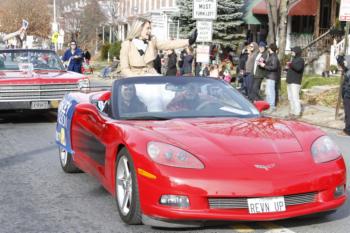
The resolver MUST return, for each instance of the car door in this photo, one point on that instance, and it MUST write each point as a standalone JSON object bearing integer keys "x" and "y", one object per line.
{"x": 87, "y": 130}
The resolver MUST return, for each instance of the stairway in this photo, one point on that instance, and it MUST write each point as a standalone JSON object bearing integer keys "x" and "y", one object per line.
{"x": 319, "y": 46}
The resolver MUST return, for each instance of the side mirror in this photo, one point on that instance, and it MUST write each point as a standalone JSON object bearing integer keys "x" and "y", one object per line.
{"x": 261, "y": 105}
{"x": 102, "y": 100}
{"x": 105, "y": 96}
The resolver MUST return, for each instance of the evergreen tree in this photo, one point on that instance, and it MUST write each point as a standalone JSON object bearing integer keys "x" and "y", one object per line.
{"x": 227, "y": 30}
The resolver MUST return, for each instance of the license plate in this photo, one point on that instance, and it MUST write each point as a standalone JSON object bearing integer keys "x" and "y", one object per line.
{"x": 40, "y": 105}
{"x": 266, "y": 205}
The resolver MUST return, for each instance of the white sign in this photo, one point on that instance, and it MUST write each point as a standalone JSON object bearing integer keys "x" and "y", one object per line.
{"x": 204, "y": 9}
{"x": 203, "y": 53}
{"x": 205, "y": 31}
{"x": 344, "y": 13}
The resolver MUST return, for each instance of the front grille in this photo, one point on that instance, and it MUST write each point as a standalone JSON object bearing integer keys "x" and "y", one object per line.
{"x": 35, "y": 92}
{"x": 242, "y": 203}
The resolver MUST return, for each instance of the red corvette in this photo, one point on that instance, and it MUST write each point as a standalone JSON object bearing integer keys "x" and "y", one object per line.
{"x": 35, "y": 79}
{"x": 178, "y": 152}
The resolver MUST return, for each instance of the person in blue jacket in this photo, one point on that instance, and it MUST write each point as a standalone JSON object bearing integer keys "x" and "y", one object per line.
{"x": 73, "y": 57}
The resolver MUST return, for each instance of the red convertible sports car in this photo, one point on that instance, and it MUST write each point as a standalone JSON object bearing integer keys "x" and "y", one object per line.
{"x": 35, "y": 79}
{"x": 179, "y": 152}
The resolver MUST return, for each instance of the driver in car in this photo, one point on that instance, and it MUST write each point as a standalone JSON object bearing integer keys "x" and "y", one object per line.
{"x": 187, "y": 100}
{"x": 130, "y": 103}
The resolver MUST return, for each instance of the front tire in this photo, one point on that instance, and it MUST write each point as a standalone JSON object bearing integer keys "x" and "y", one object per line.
{"x": 66, "y": 161}
{"x": 126, "y": 189}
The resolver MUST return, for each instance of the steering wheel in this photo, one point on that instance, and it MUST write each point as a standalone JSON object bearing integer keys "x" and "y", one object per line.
{"x": 208, "y": 103}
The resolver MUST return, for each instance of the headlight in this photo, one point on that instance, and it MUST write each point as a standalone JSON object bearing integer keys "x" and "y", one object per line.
{"x": 83, "y": 83}
{"x": 169, "y": 155}
{"x": 324, "y": 150}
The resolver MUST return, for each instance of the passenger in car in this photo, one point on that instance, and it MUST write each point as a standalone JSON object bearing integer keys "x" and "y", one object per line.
{"x": 129, "y": 102}
{"x": 187, "y": 100}
{"x": 4, "y": 38}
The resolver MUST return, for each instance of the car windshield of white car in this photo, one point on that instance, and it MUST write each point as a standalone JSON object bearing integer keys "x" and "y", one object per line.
{"x": 24, "y": 60}
{"x": 169, "y": 97}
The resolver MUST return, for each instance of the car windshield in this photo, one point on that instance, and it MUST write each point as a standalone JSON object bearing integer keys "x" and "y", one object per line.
{"x": 171, "y": 97}
{"x": 29, "y": 59}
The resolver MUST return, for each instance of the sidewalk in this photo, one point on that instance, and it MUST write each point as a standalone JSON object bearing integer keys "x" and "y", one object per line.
{"x": 314, "y": 114}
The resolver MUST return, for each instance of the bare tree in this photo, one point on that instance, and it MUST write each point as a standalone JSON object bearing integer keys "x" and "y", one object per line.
{"x": 113, "y": 8}
{"x": 72, "y": 23}
{"x": 278, "y": 19}
{"x": 36, "y": 12}
{"x": 91, "y": 17}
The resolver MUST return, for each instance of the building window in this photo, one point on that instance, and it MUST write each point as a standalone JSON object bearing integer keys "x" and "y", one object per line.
{"x": 303, "y": 24}
{"x": 164, "y": 3}
{"x": 158, "y": 5}
{"x": 172, "y": 30}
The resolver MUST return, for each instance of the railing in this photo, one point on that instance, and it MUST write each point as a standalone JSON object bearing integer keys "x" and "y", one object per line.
{"x": 338, "y": 48}
{"x": 320, "y": 45}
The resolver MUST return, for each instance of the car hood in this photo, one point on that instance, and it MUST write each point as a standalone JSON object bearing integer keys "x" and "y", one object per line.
{"x": 38, "y": 77}
{"x": 226, "y": 136}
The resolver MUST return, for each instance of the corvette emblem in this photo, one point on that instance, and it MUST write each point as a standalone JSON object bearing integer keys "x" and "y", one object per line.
{"x": 265, "y": 167}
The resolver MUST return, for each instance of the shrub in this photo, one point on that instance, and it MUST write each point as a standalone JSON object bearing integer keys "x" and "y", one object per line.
{"x": 333, "y": 69}
{"x": 104, "y": 51}
{"x": 114, "y": 50}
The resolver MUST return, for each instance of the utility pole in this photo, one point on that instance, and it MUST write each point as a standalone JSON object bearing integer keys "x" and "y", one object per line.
{"x": 54, "y": 12}
{"x": 96, "y": 49}
{"x": 103, "y": 34}
{"x": 54, "y": 25}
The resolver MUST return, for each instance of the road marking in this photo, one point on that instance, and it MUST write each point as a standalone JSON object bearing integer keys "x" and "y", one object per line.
{"x": 274, "y": 228}
{"x": 242, "y": 228}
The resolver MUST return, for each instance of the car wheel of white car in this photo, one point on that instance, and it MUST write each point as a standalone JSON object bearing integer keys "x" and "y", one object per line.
{"x": 66, "y": 161}
{"x": 126, "y": 189}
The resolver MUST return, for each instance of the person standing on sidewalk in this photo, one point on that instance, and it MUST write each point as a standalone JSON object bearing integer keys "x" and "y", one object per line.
{"x": 187, "y": 62}
{"x": 172, "y": 60}
{"x": 259, "y": 72}
{"x": 272, "y": 66}
{"x": 243, "y": 57}
{"x": 294, "y": 78}
{"x": 253, "y": 50}
{"x": 345, "y": 93}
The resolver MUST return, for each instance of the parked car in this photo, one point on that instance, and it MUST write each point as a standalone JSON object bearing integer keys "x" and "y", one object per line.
{"x": 176, "y": 152}
{"x": 35, "y": 79}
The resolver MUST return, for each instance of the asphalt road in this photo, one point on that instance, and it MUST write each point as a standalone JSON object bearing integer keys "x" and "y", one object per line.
{"x": 37, "y": 196}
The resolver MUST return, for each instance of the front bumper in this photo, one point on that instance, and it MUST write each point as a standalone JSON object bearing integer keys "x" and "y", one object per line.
{"x": 200, "y": 190}
{"x": 162, "y": 213}
{"x": 24, "y": 105}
